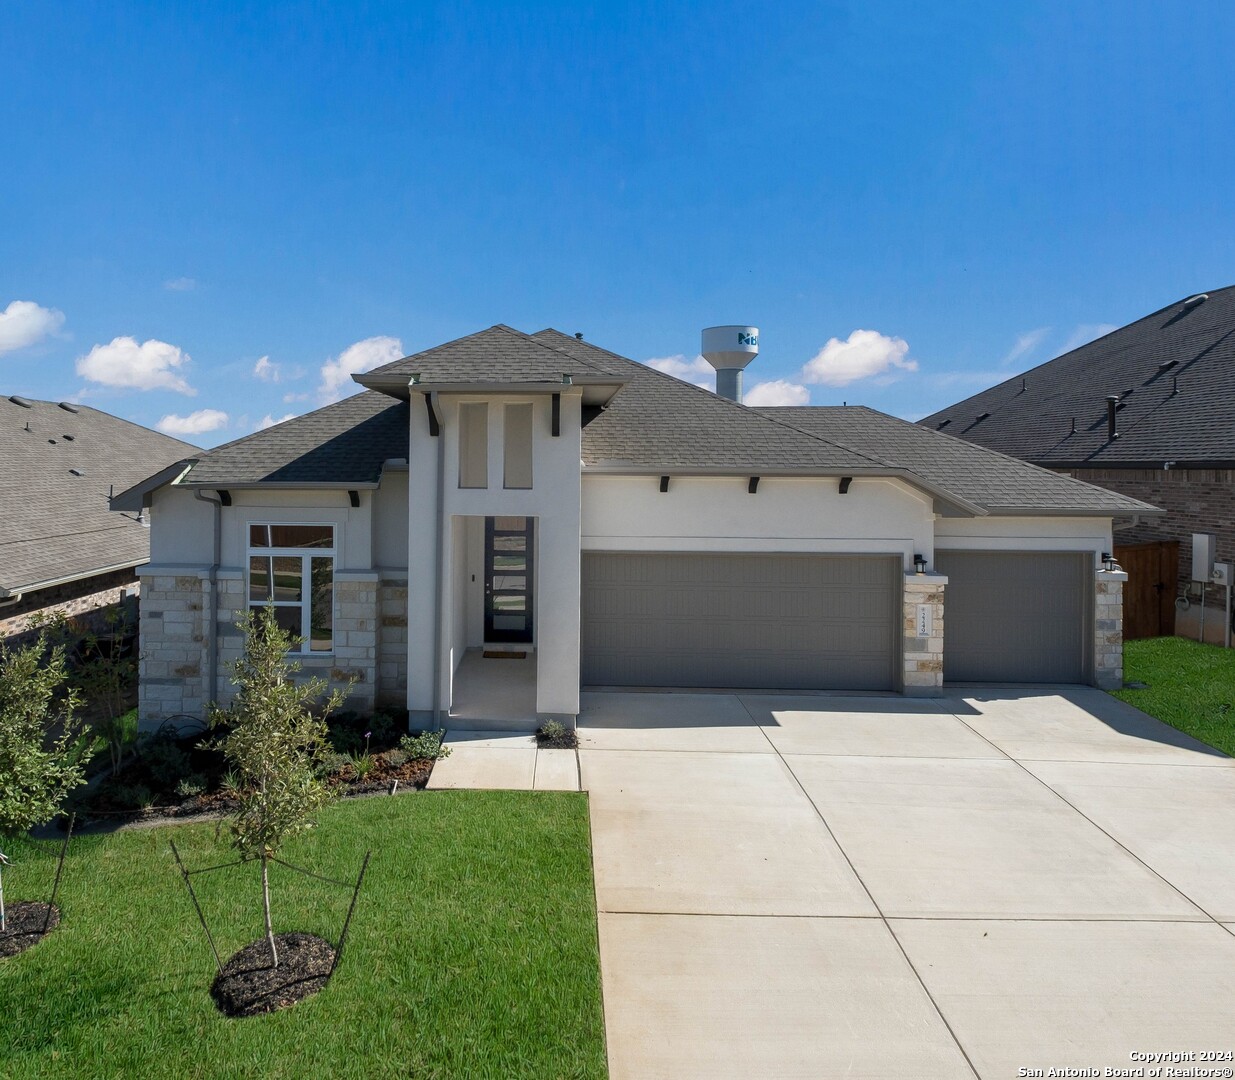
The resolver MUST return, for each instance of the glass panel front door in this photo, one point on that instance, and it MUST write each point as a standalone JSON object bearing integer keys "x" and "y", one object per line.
{"x": 508, "y": 579}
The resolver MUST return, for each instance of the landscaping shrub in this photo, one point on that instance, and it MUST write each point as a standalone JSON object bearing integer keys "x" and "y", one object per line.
{"x": 425, "y": 745}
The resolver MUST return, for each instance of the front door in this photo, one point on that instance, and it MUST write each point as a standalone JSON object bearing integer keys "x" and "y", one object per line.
{"x": 508, "y": 579}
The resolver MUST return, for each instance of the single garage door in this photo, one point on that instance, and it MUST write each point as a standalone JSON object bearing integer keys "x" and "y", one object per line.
{"x": 1016, "y": 617}
{"x": 741, "y": 620}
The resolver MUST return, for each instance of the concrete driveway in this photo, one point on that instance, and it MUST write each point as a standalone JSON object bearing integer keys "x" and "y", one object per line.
{"x": 873, "y": 886}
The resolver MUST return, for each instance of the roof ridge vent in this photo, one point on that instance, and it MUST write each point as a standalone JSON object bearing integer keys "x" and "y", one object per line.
{"x": 21, "y": 401}
{"x": 68, "y": 406}
{"x": 1199, "y": 298}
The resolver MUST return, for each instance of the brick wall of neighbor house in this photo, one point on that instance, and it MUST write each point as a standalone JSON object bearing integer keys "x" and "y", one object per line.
{"x": 923, "y": 655}
{"x": 1108, "y": 652}
{"x": 1195, "y": 500}
{"x": 392, "y": 643}
{"x": 84, "y": 600}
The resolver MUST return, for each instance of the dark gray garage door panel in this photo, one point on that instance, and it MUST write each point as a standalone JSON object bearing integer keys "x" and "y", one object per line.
{"x": 1016, "y": 617}
{"x": 740, "y": 620}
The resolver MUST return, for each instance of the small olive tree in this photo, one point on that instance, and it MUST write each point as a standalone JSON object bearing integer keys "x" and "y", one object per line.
{"x": 43, "y": 753}
{"x": 274, "y": 733}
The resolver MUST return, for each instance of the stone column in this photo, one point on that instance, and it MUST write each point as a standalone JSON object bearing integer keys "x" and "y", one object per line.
{"x": 1108, "y": 629}
{"x": 392, "y": 644}
{"x": 170, "y": 663}
{"x": 923, "y": 634}
{"x": 355, "y": 638}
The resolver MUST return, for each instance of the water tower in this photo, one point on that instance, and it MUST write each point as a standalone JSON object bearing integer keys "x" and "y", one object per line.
{"x": 729, "y": 349}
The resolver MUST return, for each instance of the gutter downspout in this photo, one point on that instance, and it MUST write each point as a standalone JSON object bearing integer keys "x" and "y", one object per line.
{"x": 9, "y": 601}
{"x": 438, "y": 558}
{"x": 212, "y": 630}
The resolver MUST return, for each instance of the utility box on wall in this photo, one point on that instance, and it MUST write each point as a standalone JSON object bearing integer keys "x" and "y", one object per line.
{"x": 1204, "y": 552}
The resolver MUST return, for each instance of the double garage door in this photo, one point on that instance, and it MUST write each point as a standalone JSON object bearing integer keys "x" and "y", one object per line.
{"x": 827, "y": 622}
{"x": 800, "y": 622}
{"x": 1016, "y": 617}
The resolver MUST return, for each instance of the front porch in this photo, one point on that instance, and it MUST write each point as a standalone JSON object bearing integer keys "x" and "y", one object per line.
{"x": 494, "y": 689}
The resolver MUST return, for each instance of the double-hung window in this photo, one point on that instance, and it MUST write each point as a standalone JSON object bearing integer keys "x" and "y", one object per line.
{"x": 292, "y": 566}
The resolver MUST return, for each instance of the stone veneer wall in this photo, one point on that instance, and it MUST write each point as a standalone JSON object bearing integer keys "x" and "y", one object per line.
{"x": 1108, "y": 647}
{"x": 170, "y": 628}
{"x": 923, "y": 656}
{"x": 392, "y": 643}
{"x": 173, "y": 664}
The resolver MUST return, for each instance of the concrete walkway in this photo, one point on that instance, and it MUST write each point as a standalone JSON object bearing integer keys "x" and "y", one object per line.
{"x": 878, "y": 887}
{"x": 505, "y": 761}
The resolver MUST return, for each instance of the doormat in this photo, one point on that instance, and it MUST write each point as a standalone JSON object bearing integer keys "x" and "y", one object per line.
{"x": 495, "y": 655}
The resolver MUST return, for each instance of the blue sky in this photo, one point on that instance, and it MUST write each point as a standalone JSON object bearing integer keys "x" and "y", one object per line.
{"x": 188, "y": 189}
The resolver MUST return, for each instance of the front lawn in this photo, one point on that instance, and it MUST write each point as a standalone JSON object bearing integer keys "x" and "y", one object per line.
{"x": 1188, "y": 685}
{"x": 472, "y": 952}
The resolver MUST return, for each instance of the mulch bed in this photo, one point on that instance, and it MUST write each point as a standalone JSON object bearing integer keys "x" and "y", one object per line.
{"x": 249, "y": 986}
{"x": 24, "y": 922}
{"x": 411, "y": 775}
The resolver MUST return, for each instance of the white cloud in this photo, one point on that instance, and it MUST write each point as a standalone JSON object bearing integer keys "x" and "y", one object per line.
{"x": 180, "y": 284}
{"x": 24, "y": 322}
{"x": 289, "y": 398}
{"x": 776, "y": 392}
{"x": 152, "y": 365}
{"x": 696, "y": 370}
{"x": 265, "y": 370}
{"x": 362, "y": 356}
{"x": 865, "y": 353}
{"x": 1025, "y": 344}
{"x": 1084, "y": 334}
{"x": 270, "y": 421}
{"x": 196, "y": 423}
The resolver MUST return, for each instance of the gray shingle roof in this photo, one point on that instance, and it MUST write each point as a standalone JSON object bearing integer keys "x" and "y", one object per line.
{"x": 658, "y": 422}
{"x": 344, "y": 443}
{"x": 1195, "y": 425}
{"x": 654, "y": 422}
{"x": 56, "y": 524}
{"x": 992, "y": 480}
{"x": 499, "y": 353}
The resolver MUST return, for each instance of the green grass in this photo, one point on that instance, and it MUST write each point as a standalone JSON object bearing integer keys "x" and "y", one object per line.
{"x": 472, "y": 953}
{"x": 1189, "y": 686}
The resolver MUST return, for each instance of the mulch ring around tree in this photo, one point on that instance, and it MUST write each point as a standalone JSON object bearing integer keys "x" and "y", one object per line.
{"x": 249, "y": 986}
{"x": 24, "y": 923}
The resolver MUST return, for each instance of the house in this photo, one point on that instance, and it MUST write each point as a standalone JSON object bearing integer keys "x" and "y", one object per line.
{"x": 1146, "y": 411}
{"x": 61, "y": 550}
{"x": 521, "y": 514}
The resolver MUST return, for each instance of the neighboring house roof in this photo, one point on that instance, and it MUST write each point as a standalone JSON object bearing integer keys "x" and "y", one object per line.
{"x": 58, "y": 464}
{"x": 1171, "y": 370}
{"x": 655, "y": 423}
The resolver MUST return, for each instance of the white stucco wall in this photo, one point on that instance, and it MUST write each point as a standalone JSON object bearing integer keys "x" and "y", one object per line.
{"x": 181, "y": 529}
{"x": 630, "y": 513}
{"x": 553, "y": 500}
{"x": 1024, "y": 534}
{"x": 390, "y": 512}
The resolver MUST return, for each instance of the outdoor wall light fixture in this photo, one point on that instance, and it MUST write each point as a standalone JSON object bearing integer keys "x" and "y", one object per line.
{"x": 1108, "y": 561}
{"x": 919, "y": 564}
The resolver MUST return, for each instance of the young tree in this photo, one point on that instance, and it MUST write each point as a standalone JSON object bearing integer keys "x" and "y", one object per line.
{"x": 42, "y": 752}
{"x": 273, "y": 738}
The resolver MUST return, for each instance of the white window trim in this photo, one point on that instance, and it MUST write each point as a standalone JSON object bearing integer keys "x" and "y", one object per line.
{"x": 306, "y": 555}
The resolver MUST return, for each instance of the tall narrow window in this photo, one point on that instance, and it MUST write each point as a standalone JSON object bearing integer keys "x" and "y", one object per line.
{"x": 474, "y": 445}
{"x": 518, "y": 446}
{"x": 292, "y": 566}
